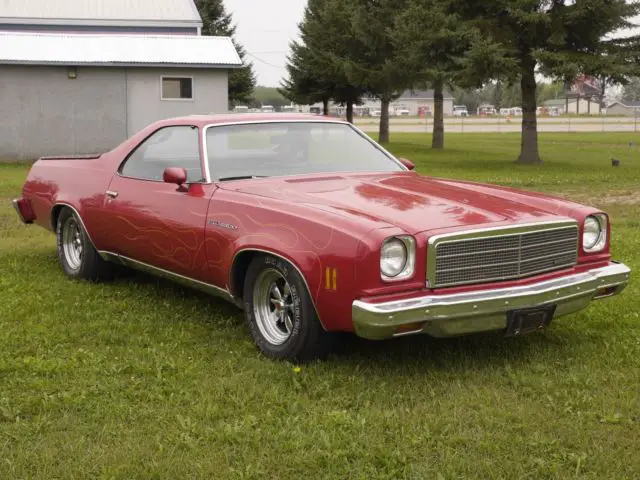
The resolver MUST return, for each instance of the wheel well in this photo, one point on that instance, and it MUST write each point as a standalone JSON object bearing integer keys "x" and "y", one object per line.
{"x": 239, "y": 271}
{"x": 55, "y": 213}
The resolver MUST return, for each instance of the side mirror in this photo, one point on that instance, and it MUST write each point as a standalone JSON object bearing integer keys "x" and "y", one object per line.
{"x": 407, "y": 163}
{"x": 175, "y": 175}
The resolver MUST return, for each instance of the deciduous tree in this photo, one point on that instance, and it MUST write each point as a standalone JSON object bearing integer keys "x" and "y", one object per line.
{"x": 631, "y": 92}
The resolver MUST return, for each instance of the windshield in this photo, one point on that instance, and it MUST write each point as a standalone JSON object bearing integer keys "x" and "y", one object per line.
{"x": 291, "y": 148}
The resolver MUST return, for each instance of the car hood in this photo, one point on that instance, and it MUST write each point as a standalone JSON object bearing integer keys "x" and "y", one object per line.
{"x": 406, "y": 200}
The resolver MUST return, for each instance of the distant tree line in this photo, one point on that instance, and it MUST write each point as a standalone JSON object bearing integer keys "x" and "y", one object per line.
{"x": 267, "y": 96}
{"x": 352, "y": 49}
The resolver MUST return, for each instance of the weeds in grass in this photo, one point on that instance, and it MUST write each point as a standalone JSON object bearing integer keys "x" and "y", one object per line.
{"x": 143, "y": 379}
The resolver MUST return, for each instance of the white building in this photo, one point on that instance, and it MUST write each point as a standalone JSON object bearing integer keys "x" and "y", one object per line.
{"x": 81, "y": 76}
{"x": 631, "y": 109}
{"x": 585, "y": 106}
{"x": 165, "y": 17}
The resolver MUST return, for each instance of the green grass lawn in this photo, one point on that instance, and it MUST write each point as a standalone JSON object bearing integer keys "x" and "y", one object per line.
{"x": 142, "y": 379}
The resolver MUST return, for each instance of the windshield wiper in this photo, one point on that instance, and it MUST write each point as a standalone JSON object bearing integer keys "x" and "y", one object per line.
{"x": 242, "y": 177}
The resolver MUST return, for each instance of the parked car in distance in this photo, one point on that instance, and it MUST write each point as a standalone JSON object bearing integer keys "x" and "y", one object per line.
{"x": 312, "y": 228}
{"x": 460, "y": 111}
{"x": 516, "y": 111}
{"x": 548, "y": 111}
{"x": 424, "y": 111}
{"x": 486, "y": 110}
{"x": 402, "y": 112}
{"x": 241, "y": 109}
{"x": 376, "y": 112}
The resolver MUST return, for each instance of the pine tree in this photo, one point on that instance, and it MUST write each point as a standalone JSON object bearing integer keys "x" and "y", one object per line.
{"x": 303, "y": 86}
{"x": 217, "y": 22}
{"x": 559, "y": 38}
{"x": 315, "y": 66}
{"x": 307, "y": 82}
{"x": 374, "y": 62}
{"x": 435, "y": 40}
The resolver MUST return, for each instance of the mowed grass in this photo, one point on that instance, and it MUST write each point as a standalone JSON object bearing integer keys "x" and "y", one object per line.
{"x": 142, "y": 379}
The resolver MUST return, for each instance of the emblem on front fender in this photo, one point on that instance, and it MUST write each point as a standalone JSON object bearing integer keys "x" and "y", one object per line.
{"x": 223, "y": 225}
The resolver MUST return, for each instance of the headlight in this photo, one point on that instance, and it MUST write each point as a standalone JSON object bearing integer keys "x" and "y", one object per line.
{"x": 594, "y": 236}
{"x": 398, "y": 258}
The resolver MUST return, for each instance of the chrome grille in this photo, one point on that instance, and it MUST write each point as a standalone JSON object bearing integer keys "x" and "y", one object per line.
{"x": 502, "y": 256}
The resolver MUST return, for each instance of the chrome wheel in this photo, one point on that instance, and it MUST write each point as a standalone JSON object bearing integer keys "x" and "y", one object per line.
{"x": 72, "y": 243}
{"x": 273, "y": 307}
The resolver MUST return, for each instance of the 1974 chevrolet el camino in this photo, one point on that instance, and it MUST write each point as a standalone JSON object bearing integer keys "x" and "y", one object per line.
{"x": 313, "y": 228}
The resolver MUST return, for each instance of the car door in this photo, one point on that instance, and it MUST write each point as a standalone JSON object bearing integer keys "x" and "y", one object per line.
{"x": 156, "y": 223}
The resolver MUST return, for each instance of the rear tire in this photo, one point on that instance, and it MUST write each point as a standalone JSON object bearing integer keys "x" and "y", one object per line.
{"x": 78, "y": 257}
{"x": 280, "y": 314}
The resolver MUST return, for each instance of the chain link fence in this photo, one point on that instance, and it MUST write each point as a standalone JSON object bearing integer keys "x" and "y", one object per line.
{"x": 501, "y": 124}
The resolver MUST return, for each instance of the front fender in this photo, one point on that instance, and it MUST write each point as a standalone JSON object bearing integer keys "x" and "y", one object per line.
{"x": 321, "y": 245}
{"x": 328, "y": 270}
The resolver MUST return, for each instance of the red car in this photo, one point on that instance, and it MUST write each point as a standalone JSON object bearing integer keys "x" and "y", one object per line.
{"x": 313, "y": 228}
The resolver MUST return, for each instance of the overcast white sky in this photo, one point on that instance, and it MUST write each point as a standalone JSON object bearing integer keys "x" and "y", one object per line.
{"x": 265, "y": 28}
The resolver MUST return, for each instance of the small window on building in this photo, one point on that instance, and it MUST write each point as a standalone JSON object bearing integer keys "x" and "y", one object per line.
{"x": 177, "y": 88}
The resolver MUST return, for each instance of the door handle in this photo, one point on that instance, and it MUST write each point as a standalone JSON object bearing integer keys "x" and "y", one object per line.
{"x": 111, "y": 194}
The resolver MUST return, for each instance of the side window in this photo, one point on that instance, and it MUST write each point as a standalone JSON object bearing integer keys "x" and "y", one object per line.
{"x": 168, "y": 147}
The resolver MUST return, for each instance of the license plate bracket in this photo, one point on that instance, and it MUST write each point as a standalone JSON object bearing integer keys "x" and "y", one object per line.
{"x": 521, "y": 322}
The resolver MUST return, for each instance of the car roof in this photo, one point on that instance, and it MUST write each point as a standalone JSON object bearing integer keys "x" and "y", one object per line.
{"x": 202, "y": 120}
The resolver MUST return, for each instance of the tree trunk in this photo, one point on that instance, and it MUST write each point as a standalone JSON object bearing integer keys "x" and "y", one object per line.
{"x": 325, "y": 107}
{"x": 383, "y": 137}
{"x": 437, "y": 140}
{"x": 603, "y": 92}
{"x": 529, "y": 139}
{"x": 350, "y": 111}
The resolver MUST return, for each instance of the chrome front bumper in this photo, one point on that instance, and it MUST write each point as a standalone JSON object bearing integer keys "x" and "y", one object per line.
{"x": 462, "y": 313}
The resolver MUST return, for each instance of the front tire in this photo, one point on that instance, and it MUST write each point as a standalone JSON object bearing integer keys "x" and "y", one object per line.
{"x": 78, "y": 257}
{"x": 280, "y": 314}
